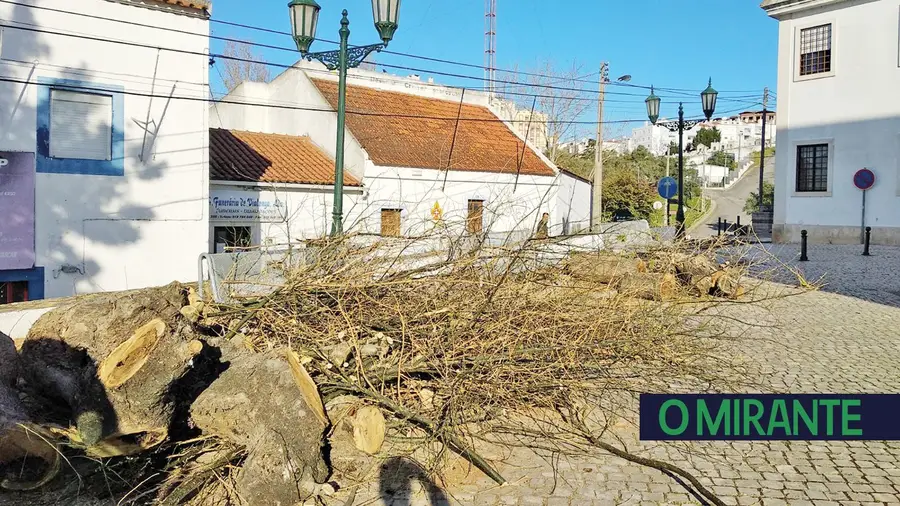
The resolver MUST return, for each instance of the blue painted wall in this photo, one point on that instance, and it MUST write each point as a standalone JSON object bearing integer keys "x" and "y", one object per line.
{"x": 34, "y": 277}
{"x": 45, "y": 164}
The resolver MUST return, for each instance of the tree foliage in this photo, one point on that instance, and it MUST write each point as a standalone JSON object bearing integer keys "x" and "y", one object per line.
{"x": 752, "y": 203}
{"x": 707, "y": 136}
{"x": 723, "y": 159}
{"x": 624, "y": 189}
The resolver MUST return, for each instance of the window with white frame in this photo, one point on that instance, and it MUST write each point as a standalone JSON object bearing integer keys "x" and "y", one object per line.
{"x": 80, "y": 125}
{"x": 812, "y": 168}
{"x": 815, "y": 50}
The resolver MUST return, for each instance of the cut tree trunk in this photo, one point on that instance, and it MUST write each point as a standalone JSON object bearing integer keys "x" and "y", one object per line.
{"x": 649, "y": 285}
{"x": 603, "y": 268}
{"x": 19, "y": 438}
{"x": 113, "y": 358}
{"x": 258, "y": 403}
{"x": 697, "y": 271}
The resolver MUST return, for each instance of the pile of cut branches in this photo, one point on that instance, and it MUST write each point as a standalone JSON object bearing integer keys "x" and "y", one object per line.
{"x": 484, "y": 340}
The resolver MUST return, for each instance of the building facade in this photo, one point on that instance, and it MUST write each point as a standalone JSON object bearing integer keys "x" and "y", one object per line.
{"x": 423, "y": 159}
{"x": 838, "y": 71}
{"x": 103, "y": 168}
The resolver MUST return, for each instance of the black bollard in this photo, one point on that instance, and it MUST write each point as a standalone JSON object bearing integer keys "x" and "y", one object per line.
{"x": 720, "y": 225}
{"x": 739, "y": 221}
{"x": 803, "y": 257}
{"x": 868, "y": 238}
{"x": 725, "y": 226}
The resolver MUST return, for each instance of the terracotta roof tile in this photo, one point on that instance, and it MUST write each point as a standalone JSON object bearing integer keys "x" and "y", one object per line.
{"x": 191, "y": 4}
{"x": 422, "y": 135}
{"x": 269, "y": 158}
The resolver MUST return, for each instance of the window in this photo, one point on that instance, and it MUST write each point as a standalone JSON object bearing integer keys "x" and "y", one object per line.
{"x": 231, "y": 238}
{"x": 815, "y": 50}
{"x": 13, "y": 291}
{"x": 80, "y": 125}
{"x": 390, "y": 222}
{"x": 475, "y": 219}
{"x": 80, "y": 128}
{"x": 812, "y": 168}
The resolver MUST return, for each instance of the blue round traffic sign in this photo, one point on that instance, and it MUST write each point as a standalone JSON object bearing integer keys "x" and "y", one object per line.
{"x": 667, "y": 187}
{"x": 864, "y": 179}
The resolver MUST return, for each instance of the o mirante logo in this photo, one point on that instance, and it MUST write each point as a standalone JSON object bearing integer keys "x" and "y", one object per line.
{"x": 707, "y": 417}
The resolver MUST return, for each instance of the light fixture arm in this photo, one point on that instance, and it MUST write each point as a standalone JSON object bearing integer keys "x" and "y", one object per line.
{"x": 355, "y": 56}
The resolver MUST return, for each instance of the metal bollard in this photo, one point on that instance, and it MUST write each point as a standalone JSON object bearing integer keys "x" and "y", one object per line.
{"x": 803, "y": 257}
{"x": 738, "y": 224}
{"x": 725, "y": 226}
{"x": 720, "y": 225}
{"x": 868, "y": 238}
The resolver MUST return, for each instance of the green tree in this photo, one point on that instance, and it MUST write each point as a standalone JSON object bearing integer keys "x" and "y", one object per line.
{"x": 707, "y": 136}
{"x": 723, "y": 159}
{"x": 752, "y": 203}
{"x": 577, "y": 164}
{"x": 624, "y": 189}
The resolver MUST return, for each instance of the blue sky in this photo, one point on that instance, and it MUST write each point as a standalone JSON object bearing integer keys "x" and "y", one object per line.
{"x": 669, "y": 43}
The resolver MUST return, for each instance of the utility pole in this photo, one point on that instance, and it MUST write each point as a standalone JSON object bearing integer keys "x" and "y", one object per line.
{"x": 762, "y": 152}
{"x": 597, "y": 196}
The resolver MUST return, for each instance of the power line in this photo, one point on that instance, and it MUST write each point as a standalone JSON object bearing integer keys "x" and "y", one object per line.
{"x": 32, "y": 28}
{"x": 304, "y": 108}
{"x": 294, "y": 51}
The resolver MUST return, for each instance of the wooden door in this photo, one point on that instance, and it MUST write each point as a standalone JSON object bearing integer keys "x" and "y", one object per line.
{"x": 390, "y": 223}
{"x": 475, "y": 221}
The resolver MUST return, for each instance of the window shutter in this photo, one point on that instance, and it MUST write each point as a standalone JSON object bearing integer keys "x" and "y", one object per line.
{"x": 80, "y": 125}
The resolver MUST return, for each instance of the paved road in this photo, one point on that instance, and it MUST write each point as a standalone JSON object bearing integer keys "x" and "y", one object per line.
{"x": 816, "y": 342}
{"x": 730, "y": 202}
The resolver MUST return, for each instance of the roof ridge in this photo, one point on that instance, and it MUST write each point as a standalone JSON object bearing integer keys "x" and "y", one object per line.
{"x": 400, "y": 92}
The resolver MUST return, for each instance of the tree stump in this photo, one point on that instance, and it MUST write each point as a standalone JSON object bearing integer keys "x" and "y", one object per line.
{"x": 257, "y": 403}
{"x": 19, "y": 438}
{"x": 112, "y": 358}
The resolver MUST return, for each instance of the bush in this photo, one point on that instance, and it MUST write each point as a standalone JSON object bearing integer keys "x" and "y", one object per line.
{"x": 752, "y": 203}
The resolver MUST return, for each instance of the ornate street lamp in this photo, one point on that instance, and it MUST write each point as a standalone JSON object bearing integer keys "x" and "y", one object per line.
{"x": 304, "y": 21}
{"x": 708, "y": 100}
{"x": 652, "y": 106}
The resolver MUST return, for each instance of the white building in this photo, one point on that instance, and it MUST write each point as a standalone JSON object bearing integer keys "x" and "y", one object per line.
{"x": 524, "y": 122}
{"x": 402, "y": 137}
{"x": 101, "y": 174}
{"x": 838, "y": 76}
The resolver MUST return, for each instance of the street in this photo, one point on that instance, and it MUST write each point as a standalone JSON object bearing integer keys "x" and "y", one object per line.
{"x": 730, "y": 202}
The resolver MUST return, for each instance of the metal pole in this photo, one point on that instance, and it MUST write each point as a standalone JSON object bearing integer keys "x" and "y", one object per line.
{"x": 862, "y": 236}
{"x": 597, "y": 196}
{"x": 803, "y": 257}
{"x": 868, "y": 238}
{"x": 337, "y": 224}
{"x": 679, "y": 216}
{"x": 668, "y": 201}
{"x": 762, "y": 153}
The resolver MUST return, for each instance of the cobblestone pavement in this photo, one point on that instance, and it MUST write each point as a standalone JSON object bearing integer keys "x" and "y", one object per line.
{"x": 819, "y": 342}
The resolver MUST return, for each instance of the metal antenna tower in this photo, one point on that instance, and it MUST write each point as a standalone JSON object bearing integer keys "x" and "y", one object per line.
{"x": 490, "y": 46}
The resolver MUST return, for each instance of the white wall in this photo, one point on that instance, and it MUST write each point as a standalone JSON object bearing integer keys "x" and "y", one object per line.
{"x": 508, "y": 207}
{"x": 148, "y": 226}
{"x": 573, "y": 205}
{"x": 855, "y": 110}
{"x": 305, "y": 212}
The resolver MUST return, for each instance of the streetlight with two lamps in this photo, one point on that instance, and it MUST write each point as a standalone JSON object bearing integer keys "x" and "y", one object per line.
{"x": 708, "y": 101}
{"x": 304, "y": 21}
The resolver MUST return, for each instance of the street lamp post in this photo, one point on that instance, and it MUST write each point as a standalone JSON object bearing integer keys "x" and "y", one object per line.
{"x": 304, "y": 21}
{"x": 708, "y": 100}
